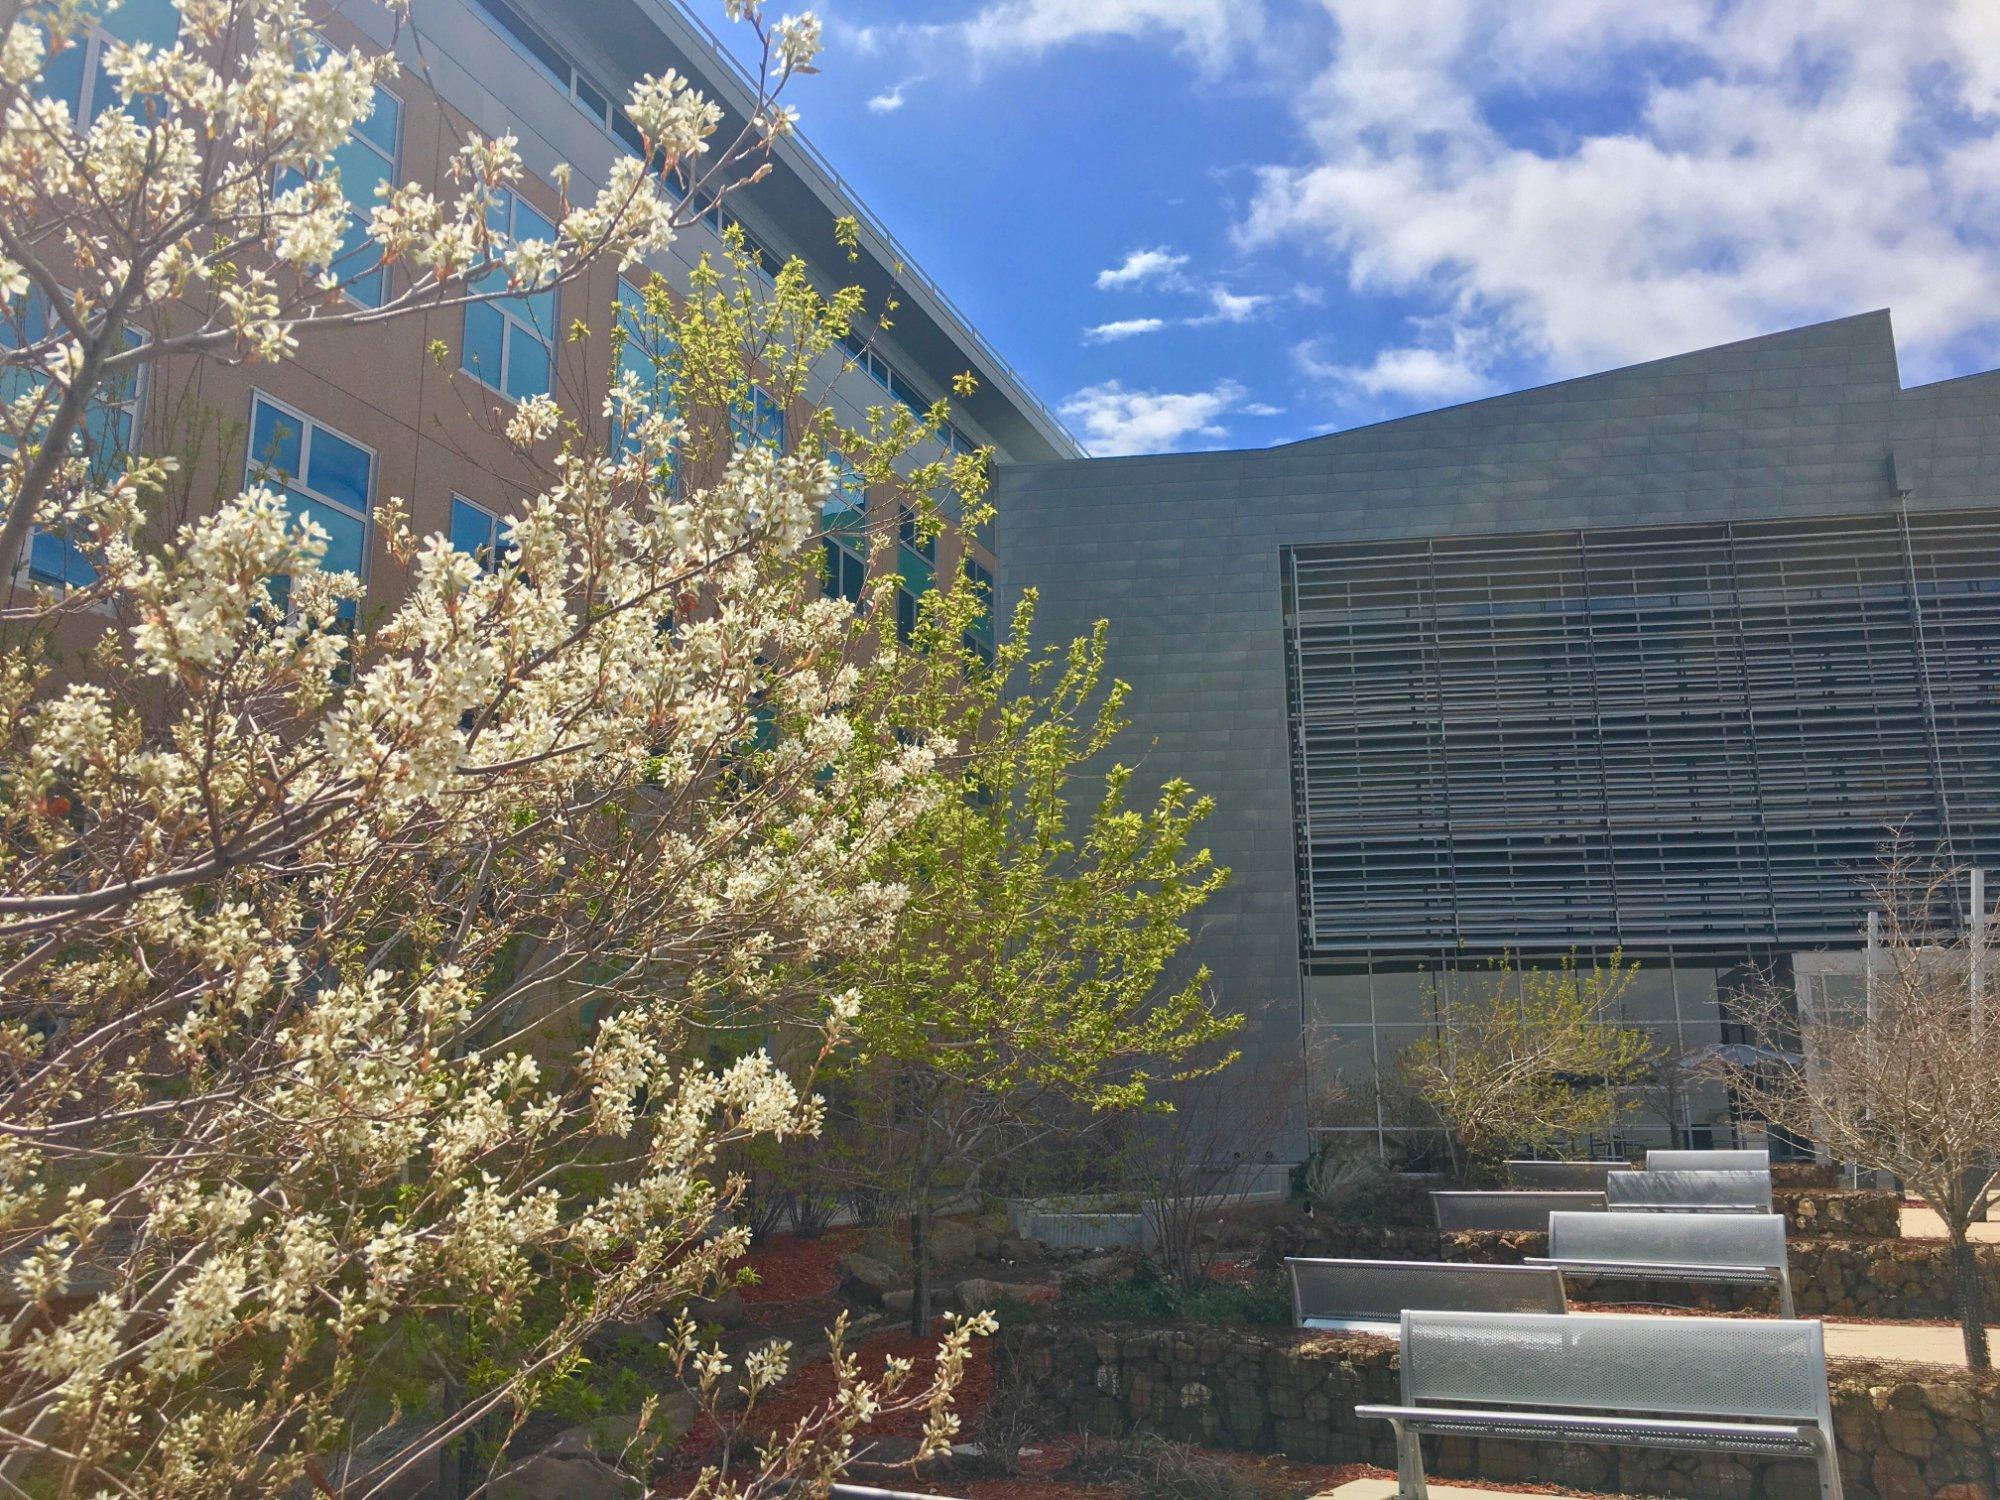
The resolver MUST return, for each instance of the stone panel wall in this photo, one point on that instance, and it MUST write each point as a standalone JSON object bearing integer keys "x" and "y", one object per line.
{"x": 1843, "y": 1213}
{"x": 1904, "y": 1432}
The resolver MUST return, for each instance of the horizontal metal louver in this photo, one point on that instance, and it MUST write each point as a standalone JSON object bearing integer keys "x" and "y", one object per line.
{"x": 1696, "y": 736}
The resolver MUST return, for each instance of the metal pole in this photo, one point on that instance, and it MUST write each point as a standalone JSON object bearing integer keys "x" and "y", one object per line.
{"x": 1874, "y": 952}
{"x": 1975, "y": 947}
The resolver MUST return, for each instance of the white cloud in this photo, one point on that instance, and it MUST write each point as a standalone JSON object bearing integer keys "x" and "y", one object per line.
{"x": 1424, "y": 373}
{"x": 1159, "y": 266}
{"x": 1759, "y": 163}
{"x": 1211, "y": 30}
{"x": 1230, "y": 307}
{"x": 1124, "y": 328}
{"x": 1115, "y": 420}
{"x": 889, "y": 101}
{"x": 1262, "y": 409}
{"x": 1449, "y": 361}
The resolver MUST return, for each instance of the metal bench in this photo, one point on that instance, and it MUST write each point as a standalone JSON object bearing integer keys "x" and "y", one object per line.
{"x": 1709, "y": 1161}
{"x": 1508, "y": 1210}
{"x": 1711, "y": 1385}
{"x": 1570, "y": 1176}
{"x": 1370, "y": 1296}
{"x": 1689, "y": 1192}
{"x": 1729, "y": 1249}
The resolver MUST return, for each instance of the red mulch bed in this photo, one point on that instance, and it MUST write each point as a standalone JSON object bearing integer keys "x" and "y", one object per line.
{"x": 790, "y": 1269}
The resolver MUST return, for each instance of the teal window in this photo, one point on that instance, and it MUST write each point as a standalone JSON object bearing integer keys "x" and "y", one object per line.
{"x": 846, "y": 574}
{"x": 758, "y": 418}
{"x": 78, "y": 77}
{"x": 979, "y": 634}
{"x": 366, "y": 160}
{"x": 327, "y": 478}
{"x": 475, "y": 531}
{"x": 906, "y": 615}
{"x": 110, "y": 428}
{"x": 847, "y": 502}
{"x": 646, "y": 354}
{"x": 510, "y": 340}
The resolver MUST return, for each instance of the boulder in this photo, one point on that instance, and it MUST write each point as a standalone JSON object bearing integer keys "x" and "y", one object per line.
{"x": 978, "y": 1294}
{"x": 987, "y": 1245}
{"x": 1101, "y": 1268}
{"x": 897, "y": 1304}
{"x": 564, "y": 1476}
{"x": 726, "y": 1310}
{"x": 952, "y": 1244}
{"x": 1020, "y": 1251}
{"x": 867, "y": 1280}
{"x": 884, "y": 1247}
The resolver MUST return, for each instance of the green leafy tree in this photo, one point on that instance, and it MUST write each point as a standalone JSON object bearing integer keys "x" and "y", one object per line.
{"x": 1524, "y": 1059}
{"x": 1034, "y": 963}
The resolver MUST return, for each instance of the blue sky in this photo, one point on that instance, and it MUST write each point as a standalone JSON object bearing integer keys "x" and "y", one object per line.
{"x": 1222, "y": 223}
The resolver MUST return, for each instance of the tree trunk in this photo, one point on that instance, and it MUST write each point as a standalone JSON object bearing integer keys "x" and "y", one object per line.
{"x": 1971, "y": 1299}
{"x": 920, "y": 1279}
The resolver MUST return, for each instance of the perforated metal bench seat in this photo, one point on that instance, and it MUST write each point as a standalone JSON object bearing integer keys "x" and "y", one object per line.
{"x": 1371, "y": 1296}
{"x": 1709, "y": 1161}
{"x": 1719, "y": 1385}
{"x": 1689, "y": 1192}
{"x": 1725, "y": 1249}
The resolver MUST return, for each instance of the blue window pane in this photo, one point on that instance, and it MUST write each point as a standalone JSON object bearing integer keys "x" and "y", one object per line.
{"x": 361, "y": 172}
{"x": 484, "y": 331}
{"x": 359, "y": 264}
{"x": 472, "y": 531}
{"x": 107, "y": 434}
{"x": 56, "y": 560}
{"x": 527, "y": 366}
{"x": 339, "y": 470}
{"x": 62, "y": 78}
{"x": 537, "y": 310}
{"x": 274, "y": 441}
{"x": 529, "y": 223}
{"x": 344, "y": 533}
{"x": 499, "y": 212}
{"x": 384, "y": 125}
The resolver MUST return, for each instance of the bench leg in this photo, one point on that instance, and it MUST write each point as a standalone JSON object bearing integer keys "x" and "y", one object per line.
{"x": 1785, "y": 1307}
{"x": 1410, "y": 1464}
{"x": 1829, "y": 1469}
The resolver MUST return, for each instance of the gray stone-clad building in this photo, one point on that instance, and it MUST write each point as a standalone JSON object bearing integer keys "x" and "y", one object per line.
{"x": 1653, "y": 660}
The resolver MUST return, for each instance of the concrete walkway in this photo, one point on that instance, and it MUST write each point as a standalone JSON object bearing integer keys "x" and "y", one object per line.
{"x": 1924, "y": 1224}
{"x": 1385, "y": 1489}
{"x": 1920, "y": 1343}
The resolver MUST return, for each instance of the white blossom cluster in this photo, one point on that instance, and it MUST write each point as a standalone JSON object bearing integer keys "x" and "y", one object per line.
{"x": 357, "y": 972}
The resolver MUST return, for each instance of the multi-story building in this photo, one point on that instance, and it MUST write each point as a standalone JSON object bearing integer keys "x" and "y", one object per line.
{"x": 1655, "y": 661}
{"x": 369, "y": 413}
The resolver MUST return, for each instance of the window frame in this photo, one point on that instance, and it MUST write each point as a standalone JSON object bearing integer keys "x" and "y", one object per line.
{"x": 134, "y": 406}
{"x": 358, "y": 215}
{"x": 743, "y": 420}
{"x": 255, "y": 473}
{"x": 490, "y": 562}
{"x": 91, "y": 40}
{"x": 671, "y": 407}
{"x": 511, "y": 321}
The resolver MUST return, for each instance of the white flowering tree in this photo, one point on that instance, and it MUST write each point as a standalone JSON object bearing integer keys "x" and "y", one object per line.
{"x": 353, "y": 980}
